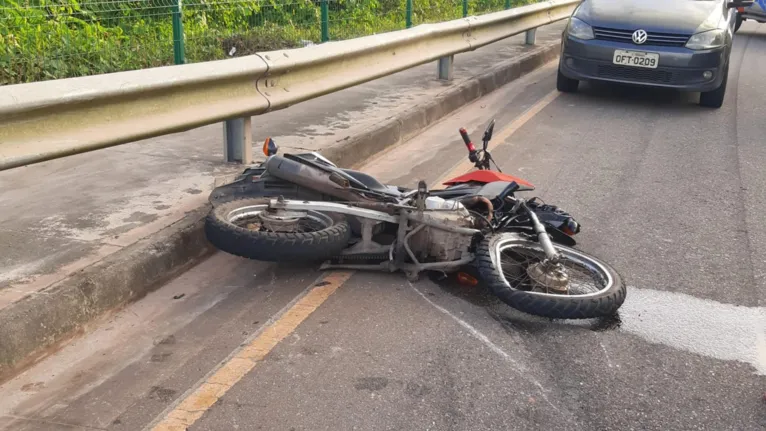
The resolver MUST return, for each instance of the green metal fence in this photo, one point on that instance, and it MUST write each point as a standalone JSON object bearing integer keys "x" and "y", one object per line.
{"x": 50, "y": 39}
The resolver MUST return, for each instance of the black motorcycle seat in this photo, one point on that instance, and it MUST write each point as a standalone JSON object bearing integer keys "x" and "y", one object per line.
{"x": 372, "y": 183}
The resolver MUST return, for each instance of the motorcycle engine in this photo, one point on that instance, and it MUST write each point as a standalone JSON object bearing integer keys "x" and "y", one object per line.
{"x": 432, "y": 244}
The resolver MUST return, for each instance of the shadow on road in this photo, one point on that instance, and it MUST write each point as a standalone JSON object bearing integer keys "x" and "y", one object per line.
{"x": 639, "y": 96}
{"x": 510, "y": 318}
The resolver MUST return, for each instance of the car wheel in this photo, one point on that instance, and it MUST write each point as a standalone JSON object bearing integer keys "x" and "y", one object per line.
{"x": 566, "y": 85}
{"x": 714, "y": 99}
{"x": 738, "y": 23}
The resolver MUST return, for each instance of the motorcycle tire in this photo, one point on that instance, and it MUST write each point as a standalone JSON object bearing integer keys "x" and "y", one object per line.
{"x": 318, "y": 245}
{"x": 601, "y": 303}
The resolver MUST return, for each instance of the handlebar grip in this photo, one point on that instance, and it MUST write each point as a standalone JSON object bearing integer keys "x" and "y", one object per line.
{"x": 467, "y": 140}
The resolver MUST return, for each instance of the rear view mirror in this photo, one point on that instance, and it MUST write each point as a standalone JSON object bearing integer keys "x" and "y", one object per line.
{"x": 739, "y": 3}
{"x": 488, "y": 133}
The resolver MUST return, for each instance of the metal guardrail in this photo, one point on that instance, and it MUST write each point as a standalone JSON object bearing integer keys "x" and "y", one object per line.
{"x": 51, "y": 119}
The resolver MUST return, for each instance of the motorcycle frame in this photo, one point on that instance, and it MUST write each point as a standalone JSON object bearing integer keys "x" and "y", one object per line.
{"x": 409, "y": 220}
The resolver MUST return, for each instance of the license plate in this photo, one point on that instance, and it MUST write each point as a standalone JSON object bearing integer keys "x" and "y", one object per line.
{"x": 648, "y": 60}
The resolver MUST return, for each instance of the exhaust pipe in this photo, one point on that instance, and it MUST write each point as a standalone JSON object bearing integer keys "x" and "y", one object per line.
{"x": 327, "y": 182}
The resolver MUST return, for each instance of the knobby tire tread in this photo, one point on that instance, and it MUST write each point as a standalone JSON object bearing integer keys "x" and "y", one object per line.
{"x": 274, "y": 246}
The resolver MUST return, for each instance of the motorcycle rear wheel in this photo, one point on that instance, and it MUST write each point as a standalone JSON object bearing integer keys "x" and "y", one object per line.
{"x": 595, "y": 289}
{"x": 235, "y": 227}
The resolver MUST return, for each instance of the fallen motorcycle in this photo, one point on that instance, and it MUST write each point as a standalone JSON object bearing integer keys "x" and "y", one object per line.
{"x": 304, "y": 208}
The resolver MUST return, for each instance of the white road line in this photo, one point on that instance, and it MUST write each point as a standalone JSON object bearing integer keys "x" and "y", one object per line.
{"x": 606, "y": 354}
{"x": 494, "y": 347}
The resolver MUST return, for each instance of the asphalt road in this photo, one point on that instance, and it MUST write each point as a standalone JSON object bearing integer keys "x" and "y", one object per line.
{"x": 670, "y": 193}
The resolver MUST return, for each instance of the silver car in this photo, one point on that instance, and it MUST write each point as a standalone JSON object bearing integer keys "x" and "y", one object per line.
{"x": 680, "y": 44}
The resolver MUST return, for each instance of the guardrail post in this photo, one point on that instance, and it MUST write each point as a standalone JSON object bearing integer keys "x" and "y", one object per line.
{"x": 408, "y": 14}
{"x": 465, "y": 8}
{"x": 179, "y": 56}
{"x": 531, "y": 36}
{"x": 507, "y": 4}
{"x": 446, "y": 67}
{"x": 237, "y": 140}
{"x": 325, "y": 12}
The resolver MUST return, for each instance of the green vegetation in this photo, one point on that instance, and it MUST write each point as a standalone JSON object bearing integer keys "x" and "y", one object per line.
{"x": 50, "y": 39}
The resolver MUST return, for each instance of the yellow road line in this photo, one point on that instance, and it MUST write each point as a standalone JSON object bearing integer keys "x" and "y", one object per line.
{"x": 465, "y": 165}
{"x": 191, "y": 408}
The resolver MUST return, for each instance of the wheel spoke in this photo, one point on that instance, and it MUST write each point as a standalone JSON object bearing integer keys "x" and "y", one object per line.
{"x": 257, "y": 218}
{"x": 584, "y": 277}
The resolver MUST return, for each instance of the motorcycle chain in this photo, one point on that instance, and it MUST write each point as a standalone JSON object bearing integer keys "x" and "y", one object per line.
{"x": 361, "y": 257}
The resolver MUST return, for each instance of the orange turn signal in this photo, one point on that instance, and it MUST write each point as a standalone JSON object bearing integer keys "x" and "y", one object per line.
{"x": 466, "y": 279}
{"x": 270, "y": 147}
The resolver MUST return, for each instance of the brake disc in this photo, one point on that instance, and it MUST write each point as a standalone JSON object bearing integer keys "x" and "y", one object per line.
{"x": 549, "y": 276}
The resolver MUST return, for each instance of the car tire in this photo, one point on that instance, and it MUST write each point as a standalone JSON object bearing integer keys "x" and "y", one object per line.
{"x": 738, "y": 23}
{"x": 714, "y": 98}
{"x": 566, "y": 85}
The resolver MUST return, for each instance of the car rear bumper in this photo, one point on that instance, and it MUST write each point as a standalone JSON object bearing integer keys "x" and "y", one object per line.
{"x": 679, "y": 67}
{"x": 755, "y": 16}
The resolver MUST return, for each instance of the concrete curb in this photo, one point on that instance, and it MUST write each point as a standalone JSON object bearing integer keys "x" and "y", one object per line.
{"x": 37, "y": 325}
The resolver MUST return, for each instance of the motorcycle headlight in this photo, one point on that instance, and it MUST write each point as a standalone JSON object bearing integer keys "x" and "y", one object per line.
{"x": 579, "y": 29}
{"x": 707, "y": 40}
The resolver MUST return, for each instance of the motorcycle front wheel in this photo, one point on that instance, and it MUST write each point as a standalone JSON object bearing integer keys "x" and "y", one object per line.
{"x": 246, "y": 228}
{"x": 590, "y": 288}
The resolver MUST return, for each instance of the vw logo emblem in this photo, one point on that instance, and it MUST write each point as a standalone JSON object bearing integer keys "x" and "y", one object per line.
{"x": 639, "y": 37}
